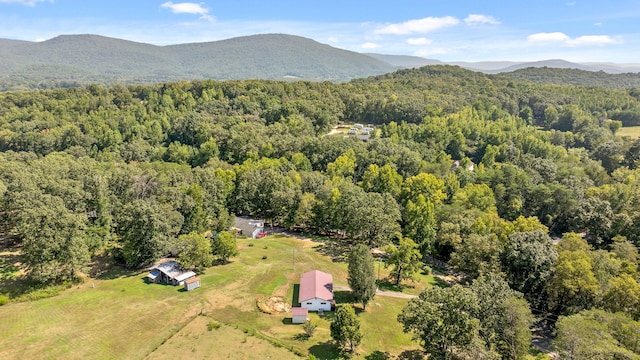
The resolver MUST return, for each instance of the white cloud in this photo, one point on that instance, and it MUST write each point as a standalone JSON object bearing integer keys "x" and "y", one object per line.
{"x": 594, "y": 40}
{"x": 548, "y": 37}
{"x": 479, "y": 19}
{"x": 586, "y": 40}
{"x": 419, "y": 26}
{"x": 24, "y": 2}
{"x": 370, "y": 45}
{"x": 597, "y": 24}
{"x": 419, "y": 41}
{"x": 188, "y": 8}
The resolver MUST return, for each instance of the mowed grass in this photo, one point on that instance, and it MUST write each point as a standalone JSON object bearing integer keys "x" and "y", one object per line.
{"x": 195, "y": 341}
{"x": 630, "y": 131}
{"x": 127, "y": 318}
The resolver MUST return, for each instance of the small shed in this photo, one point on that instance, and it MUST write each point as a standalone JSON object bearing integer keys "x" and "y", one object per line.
{"x": 299, "y": 315}
{"x": 192, "y": 283}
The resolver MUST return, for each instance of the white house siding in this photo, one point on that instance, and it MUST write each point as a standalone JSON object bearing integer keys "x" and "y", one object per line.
{"x": 191, "y": 285}
{"x": 316, "y": 304}
{"x": 299, "y": 319}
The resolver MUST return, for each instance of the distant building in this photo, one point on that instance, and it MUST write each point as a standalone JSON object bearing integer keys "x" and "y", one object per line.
{"x": 169, "y": 272}
{"x": 456, "y": 164}
{"x": 299, "y": 315}
{"x": 316, "y": 291}
{"x": 248, "y": 227}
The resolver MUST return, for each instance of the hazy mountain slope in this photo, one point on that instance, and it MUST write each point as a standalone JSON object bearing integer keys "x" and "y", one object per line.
{"x": 276, "y": 56}
{"x": 405, "y": 61}
{"x": 493, "y": 67}
{"x": 92, "y": 58}
{"x": 575, "y": 77}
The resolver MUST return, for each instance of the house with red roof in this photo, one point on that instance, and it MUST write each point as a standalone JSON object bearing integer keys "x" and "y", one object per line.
{"x": 316, "y": 291}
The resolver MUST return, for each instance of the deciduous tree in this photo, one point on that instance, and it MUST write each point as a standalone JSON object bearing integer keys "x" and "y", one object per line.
{"x": 441, "y": 319}
{"x": 224, "y": 246}
{"x": 194, "y": 251}
{"x": 404, "y": 259}
{"x": 345, "y": 328}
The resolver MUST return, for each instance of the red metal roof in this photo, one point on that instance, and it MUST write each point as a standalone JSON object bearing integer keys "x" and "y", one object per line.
{"x": 316, "y": 284}
{"x": 299, "y": 311}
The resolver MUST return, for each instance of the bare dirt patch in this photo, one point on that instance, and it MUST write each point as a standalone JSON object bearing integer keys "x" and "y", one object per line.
{"x": 273, "y": 305}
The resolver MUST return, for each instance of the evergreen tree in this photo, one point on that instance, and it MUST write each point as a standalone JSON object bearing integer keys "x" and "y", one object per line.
{"x": 362, "y": 276}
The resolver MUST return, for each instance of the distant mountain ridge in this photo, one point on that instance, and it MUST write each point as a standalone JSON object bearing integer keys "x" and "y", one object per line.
{"x": 94, "y": 58}
{"x": 494, "y": 67}
{"x": 71, "y": 60}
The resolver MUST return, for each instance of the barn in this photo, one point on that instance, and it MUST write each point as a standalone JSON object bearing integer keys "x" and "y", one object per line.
{"x": 316, "y": 291}
{"x": 169, "y": 272}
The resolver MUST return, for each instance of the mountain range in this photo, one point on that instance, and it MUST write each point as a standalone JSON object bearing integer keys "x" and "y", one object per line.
{"x": 69, "y": 60}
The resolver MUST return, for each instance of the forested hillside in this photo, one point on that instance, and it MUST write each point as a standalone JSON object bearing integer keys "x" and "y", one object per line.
{"x": 477, "y": 170}
{"x": 548, "y": 75}
{"x": 74, "y": 60}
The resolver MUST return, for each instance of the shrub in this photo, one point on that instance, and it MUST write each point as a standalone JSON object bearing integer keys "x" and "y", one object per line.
{"x": 264, "y": 257}
{"x": 309, "y": 328}
{"x": 426, "y": 270}
{"x": 213, "y": 325}
{"x": 3, "y": 299}
{"x": 250, "y": 245}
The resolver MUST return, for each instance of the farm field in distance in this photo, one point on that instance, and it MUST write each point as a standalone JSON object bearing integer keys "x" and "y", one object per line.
{"x": 630, "y": 131}
{"x": 125, "y": 317}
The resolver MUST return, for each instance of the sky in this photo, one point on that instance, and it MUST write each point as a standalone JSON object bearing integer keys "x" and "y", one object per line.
{"x": 447, "y": 30}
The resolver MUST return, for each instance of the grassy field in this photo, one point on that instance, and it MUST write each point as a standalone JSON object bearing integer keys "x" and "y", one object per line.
{"x": 630, "y": 131}
{"x": 121, "y": 316}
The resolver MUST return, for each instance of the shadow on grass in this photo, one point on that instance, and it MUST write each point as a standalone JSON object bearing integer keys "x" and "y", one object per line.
{"x": 8, "y": 269}
{"x": 378, "y": 355}
{"x": 343, "y": 297}
{"x": 295, "y": 301}
{"x": 335, "y": 248}
{"x": 25, "y": 289}
{"x": 386, "y": 285}
{"x": 411, "y": 355}
{"x": 326, "y": 350}
{"x": 440, "y": 283}
{"x": 301, "y": 337}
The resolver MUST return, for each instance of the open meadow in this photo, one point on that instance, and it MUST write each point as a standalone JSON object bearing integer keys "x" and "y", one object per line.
{"x": 630, "y": 131}
{"x": 121, "y": 316}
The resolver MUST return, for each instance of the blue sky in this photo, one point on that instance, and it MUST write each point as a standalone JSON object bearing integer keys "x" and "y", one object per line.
{"x": 448, "y": 30}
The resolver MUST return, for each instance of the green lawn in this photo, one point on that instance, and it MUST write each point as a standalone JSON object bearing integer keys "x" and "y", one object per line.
{"x": 125, "y": 317}
{"x": 630, "y": 131}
